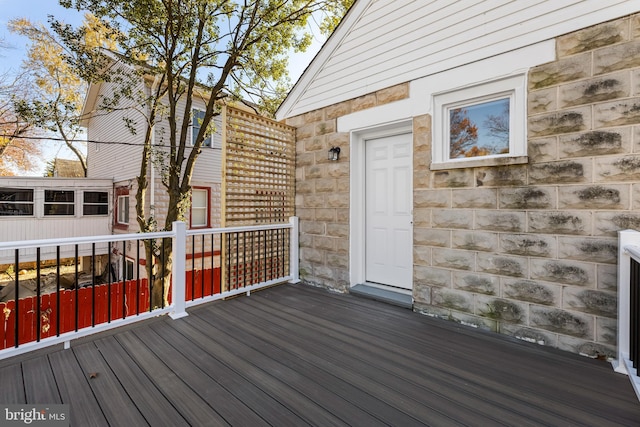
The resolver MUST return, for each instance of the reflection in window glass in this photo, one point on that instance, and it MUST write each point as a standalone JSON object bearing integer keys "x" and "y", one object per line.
{"x": 59, "y": 202}
{"x": 95, "y": 203}
{"x": 16, "y": 202}
{"x": 479, "y": 129}
{"x": 198, "y": 116}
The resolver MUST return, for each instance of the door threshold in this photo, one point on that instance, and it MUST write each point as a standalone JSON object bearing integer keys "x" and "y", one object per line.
{"x": 384, "y": 295}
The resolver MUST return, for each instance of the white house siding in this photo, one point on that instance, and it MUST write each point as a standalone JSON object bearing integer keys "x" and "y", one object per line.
{"x": 113, "y": 151}
{"x": 527, "y": 249}
{"x": 396, "y": 41}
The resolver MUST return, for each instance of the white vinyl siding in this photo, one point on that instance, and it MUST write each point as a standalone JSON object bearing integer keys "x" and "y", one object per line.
{"x": 397, "y": 41}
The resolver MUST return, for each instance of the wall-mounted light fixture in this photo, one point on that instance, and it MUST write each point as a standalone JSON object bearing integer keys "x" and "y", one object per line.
{"x": 334, "y": 153}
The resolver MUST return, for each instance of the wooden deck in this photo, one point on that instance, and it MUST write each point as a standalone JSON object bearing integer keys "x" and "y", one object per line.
{"x": 295, "y": 355}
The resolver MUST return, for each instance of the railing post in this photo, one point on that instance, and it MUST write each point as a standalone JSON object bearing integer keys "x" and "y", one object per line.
{"x": 294, "y": 251}
{"x": 178, "y": 284}
{"x": 625, "y": 237}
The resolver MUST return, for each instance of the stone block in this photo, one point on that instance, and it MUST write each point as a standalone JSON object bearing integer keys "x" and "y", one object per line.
{"x": 305, "y": 132}
{"x": 314, "y": 171}
{"x": 531, "y": 335}
{"x": 363, "y": 102}
{"x": 599, "y": 303}
{"x": 542, "y": 149}
{"x": 421, "y": 160}
{"x": 562, "y": 172}
{"x": 314, "y": 144}
{"x": 635, "y": 196}
{"x": 326, "y": 215}
{"x": 305, "y": 240}
{"x": 607, "y": 276}
{"x": 495, "y": 220}
{"x": 431, "y": 276}
{"x": 600, "y": 250}
{"x": 432, "y": 311}
{"x": 454, "y": 178}
{"x": 304, "y": 159}
{"x": 432, "y": 198}
{"x": 325, "y": 185}
{"x": 306, "y": 214}
{"x": 421, "y": 179}
{"x": 475, "y": 198}
{"x": 338, "y": 110}
{"x": 635, "y": 26}
{"x": 532, "y": 291}
{"x": 453, "y": 299}
{"x": 595, "y": 143}
{"x": 587, "y": 348}
{"x": 618, "y": 57}
{"x": 501, "y": 309}
{"x": 453, "y": 258}
{"x": 422, "y": 294}
{"x": 570, "y": 222}
{"x": 338, "y": 200}
{"x": 312, "y": 256}
{"x": 338, "y": 230}
{"x": 305, "y": 187}
{"x": 559, "y": 122}
{"x": 474, "y": 240}
{"x": 431, "y": 237}
{"x": 311, "y": 201}
{"x": 342, "y": 247}
{"x": 314, "y": 116}
{"x": 324, "y": 242}
{"x": 538, "y": 245}
{"x": 338, "y": 261}
{"x": 527, "y": 198}
{"x": 616, "y": 113}
{"x": 502, "y": 265}
{"x": 452, "y": 218}
{"x": 295, "y": 121}
{"x": 565, "y": 272}
{"x": 312, "y": 227}
{"x": 563, "y": 70}
{"x": 476, "y": 283}
{"x": 625, "y": 168}
{"x": 542, "y": 101}
{"x": 501, "y": 176}
{"x": 596, "y": 89}
{"x": 323, "y": 128}
{"x": 422, "y": 255}
{"x": 393, "y": 93}
{"x": 342, "y": 216}
{"x": 606, "y": 331}
{"x": 422, "y": 133}
{"x": 340, "y": 139}
{"x": 593, "y": 37}
{"x": 594, "y": 197}
{"x": 421, "y": 218}
{"x": 609, "y": 223}
{"x": 338, "y": 170}
{"x": 562, "y": 321}
{"x": 343, "y": 185}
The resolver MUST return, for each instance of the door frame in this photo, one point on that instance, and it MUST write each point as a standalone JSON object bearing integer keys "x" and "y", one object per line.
{"x": 357, "y": 233}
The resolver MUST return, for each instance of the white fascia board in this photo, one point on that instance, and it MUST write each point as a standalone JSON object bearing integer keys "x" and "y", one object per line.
{"x": 422, "y": 90}
{"x": 326, "y": 51}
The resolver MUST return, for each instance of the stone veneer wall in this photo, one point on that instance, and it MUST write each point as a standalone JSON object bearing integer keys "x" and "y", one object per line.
{"x": 528, "y": 250}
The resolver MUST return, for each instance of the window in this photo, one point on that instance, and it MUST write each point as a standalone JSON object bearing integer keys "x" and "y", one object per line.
{"x": 123, "y": 210}
{"x": 59, "y": 202}
{"x": 481, "y": 125}
{"x": 200, "y": 207}
{"x": 95, "y": 203}
{"x": 128, "y": 269}
{"x": 198, "y": 116}
{"x": 16, "y": 202}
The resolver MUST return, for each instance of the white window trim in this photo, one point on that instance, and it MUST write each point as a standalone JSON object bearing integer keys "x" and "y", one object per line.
{"x": 123, "y": 214}
{"x": 514, "y": 88}
{"x": 200, "y": 208}
{"x": 193, "y": 131}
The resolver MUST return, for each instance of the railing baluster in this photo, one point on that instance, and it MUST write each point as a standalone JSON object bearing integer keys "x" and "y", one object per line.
{"x": 633, "y": 313}
{"x": 38, "y": 295}
{"x": 76, "y": 291}
{"x": 16, "y": 308}
{"x": 109, "y": 284}
{"x": 57, "y": 291}
{"x": 193, "y": 267}
{"x": 164, "y": 273}
{"x": 93, "y": 284}
{"x": 124, "y": 279}
{"x": 237, "y": 236}
{"x": 244, "y": 259}
{"x": 213, "y": 264}
{"x": 137, "y": 278}
{"x": 202, "y": 267}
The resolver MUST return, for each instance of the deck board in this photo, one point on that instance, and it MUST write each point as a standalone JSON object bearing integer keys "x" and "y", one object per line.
{"x": 294, "y": 355}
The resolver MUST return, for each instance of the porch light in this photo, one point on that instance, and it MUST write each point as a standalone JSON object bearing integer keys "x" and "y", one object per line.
{"x": 334, "y": 153}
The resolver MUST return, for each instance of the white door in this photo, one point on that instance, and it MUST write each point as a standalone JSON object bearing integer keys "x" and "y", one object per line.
{"x": 388, "y": 211}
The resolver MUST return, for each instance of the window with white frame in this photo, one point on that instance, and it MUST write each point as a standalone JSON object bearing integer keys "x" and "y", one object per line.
{"x": 196, "y": 124}
{"x": 59, "y": 202}
{"x": 123, "y": 209}
{"x": 481, "y": 125}
{"x": 95, "y": 203}
{"x": 200, "y": 207}
{"x": 16, "y": 202}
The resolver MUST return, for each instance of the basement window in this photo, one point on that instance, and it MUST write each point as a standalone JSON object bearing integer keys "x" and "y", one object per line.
{"x": 482, "y": 125}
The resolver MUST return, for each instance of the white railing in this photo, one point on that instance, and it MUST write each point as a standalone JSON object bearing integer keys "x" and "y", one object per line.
{"x": 258, "y": 271}
{"x": 628, "y": 334}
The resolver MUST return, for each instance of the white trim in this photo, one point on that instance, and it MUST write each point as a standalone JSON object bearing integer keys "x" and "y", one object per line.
{"x": 357, "y": 192}
{"x": 514, "y": 88}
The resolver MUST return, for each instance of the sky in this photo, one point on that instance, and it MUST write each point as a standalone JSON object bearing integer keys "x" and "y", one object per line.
{"x": 39, "y": 10}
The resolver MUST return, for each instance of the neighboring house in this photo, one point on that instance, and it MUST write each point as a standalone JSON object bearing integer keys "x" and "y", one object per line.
{"x": 64, "y": 168}
{"x": 488, "y": 157}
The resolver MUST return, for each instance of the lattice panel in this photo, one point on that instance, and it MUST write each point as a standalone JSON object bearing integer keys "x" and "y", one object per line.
{"x": 258, "y": 170}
